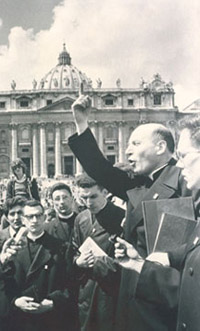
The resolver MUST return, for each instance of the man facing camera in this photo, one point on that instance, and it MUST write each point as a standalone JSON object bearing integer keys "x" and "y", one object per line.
{"x": 62, "y": 224}
{"x": 13, "y": 212}
{"x": 45, "y": 301}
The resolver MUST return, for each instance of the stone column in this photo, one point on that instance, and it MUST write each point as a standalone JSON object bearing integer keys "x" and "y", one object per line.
{"x": 13, "y": 141}
{"x": 100, "y": 142}
{"x": 35, "y": 152}
{"x": 121, "y": 142}
{"x": 57, "y": 151}
{"x": 43, "y": 151}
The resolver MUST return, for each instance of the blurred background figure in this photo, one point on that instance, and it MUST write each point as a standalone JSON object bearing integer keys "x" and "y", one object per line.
{"x": 21, "y": 184}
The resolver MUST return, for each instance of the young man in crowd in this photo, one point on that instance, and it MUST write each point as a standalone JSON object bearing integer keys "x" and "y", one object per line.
{"x": 159, "y": 282}
{"x": 44, "y": 301}
{"x": 150, "y": 153}
{"x": 99, "y": 279}
{"x": 13, "y": 212}
{"x": 61, "y": 226}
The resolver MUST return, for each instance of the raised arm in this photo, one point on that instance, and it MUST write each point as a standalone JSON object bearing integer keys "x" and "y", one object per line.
{"x": 85, "y": 148}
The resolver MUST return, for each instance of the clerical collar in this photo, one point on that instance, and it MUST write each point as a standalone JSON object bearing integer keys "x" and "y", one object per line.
{"x": 65, "y": 217}
{"x": 34, "y": 238}
{"x": 151, "y": 176}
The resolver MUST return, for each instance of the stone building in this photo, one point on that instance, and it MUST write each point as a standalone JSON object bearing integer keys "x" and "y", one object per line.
{"x": 35, "y": 124}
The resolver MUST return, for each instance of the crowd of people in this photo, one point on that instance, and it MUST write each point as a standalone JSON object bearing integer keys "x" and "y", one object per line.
{"x": 75, "y": 260}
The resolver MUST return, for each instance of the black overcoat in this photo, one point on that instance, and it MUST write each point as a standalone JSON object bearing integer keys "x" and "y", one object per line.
{"x": 45, "y": 277}
{"x": 169, "y": 184}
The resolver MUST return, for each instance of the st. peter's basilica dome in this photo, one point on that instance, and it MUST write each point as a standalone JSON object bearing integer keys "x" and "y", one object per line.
{"x": 64, "y": 75}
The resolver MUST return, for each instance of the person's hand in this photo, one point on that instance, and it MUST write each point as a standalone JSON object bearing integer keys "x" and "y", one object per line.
{"x": 125, "y": 249}
{"x": 9, "y": 250}
{"x": 27, "y": 304}
{"x": 159, "y": 257}
{"x": 127, "y": 256}
{"x": 85, "y": 260}
{"x": 81, "y": 108}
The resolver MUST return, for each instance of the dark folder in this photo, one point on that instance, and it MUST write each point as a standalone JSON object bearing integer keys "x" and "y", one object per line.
{"x": 173, "y": 231}
{"x": 153, "y": 210}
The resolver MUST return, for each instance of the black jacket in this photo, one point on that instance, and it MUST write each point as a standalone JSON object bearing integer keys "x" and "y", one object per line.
{"x": 169, "y": 184}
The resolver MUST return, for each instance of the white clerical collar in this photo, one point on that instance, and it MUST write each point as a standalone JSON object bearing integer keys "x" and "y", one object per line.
{"x": 65, "y": 217}
{"x": 34, "y": 238}
{"x": 153, "y": 172}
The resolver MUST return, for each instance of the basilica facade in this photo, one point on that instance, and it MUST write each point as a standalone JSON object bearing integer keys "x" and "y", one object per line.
{"x": 35, "y": 124}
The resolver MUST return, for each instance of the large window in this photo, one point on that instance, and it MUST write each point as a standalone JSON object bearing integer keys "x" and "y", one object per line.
{"x": 24, "y": 103}
{"x": 130, "y": 102}
{"x": 109, "y": 102}
{"x": 2, "y": 105}
{"x": 157, "y": 99}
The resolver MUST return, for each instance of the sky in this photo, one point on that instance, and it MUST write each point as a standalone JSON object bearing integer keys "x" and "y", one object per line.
{"x": 110, "y": 39}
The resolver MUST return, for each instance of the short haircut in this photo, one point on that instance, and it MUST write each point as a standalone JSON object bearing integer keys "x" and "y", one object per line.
{"x": 192, "y": 124}
{"x": 85, "y": 181}
{"x": 59, "y": 186}
{"x": 18, "y": 163}
{"x": 163, "y": 133}
{"x": 33, "y": 203}
{"x": 13, "y": 202}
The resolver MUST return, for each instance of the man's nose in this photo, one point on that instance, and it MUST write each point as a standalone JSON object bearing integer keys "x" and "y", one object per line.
{"x": 129, "y": 150}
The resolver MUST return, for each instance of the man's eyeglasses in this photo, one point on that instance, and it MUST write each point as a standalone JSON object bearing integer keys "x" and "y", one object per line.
{"x": 31, "y": 217}
{"x": 183, "y": 157}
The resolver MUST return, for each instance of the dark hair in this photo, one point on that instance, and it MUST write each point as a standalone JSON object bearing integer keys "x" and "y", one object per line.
{"x": 164, "y": 133}
{"x": 192, "y": 123}
{"x": 13, "y": 202}
{"x": 85, "y": 181}
{"x": 59, "y": 186}
{"x": 33, "y": 203}
{"x": 18, "y": 163}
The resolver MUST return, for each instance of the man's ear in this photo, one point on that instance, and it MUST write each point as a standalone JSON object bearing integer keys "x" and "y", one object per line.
{"x": 161, "y": 147}
{"x": 105, "y": 192}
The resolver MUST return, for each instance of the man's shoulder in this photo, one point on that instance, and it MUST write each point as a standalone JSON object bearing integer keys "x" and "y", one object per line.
{"x": 83, "y": 217}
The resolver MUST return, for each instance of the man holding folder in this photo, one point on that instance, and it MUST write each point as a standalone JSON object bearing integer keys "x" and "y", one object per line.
{"x": 150, "y": 150}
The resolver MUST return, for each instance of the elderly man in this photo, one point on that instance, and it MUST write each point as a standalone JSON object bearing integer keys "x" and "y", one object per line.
{"x": 150, "y": 150}
{"x": 44, "y": 301}
{"x": 153, "y": 285}
{"x": 99, "y": 285}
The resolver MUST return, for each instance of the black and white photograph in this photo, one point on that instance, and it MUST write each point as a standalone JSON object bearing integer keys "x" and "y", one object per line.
{"x": 99, "y": 165}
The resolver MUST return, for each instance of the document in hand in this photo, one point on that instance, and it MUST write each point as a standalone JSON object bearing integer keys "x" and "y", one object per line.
{"x": 173, "y": 231}
{"x": 153, "y": 210}
{"x": 90, "y": 245}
